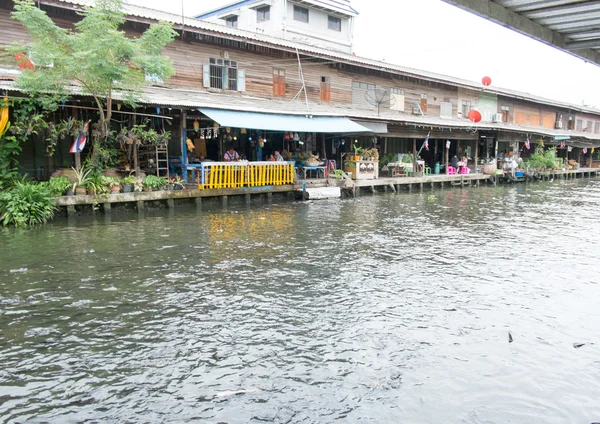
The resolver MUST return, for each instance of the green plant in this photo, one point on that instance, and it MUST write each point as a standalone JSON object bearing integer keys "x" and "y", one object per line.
{"x": 137, "y": 185}
{"x": 82, "y": 177}
{"x": 116, "y": 63}
{"x": 26, "y": 204}
{"x": 59, "y": 185}
{"x": 177, "y": 181}
{"x": 110, "y": 181}
{"x": 542, "y": 159}
{"x": 9, "y": 148}
{"x": 357, "y": 150}
{"x": 154, "y": 182}
{"x": 130, "y": 180}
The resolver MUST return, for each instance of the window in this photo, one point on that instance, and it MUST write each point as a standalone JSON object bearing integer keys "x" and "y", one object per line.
{"x": 571, "y": 124}
{"x": 224, "y": 75}
{"x": 505, "y": 113}
{"x": 466, "y": 108}
{"x": 397, "y": 99}
{"x": 325, "y": 89}
{"x": 300, "y": 14}
{"x": 424, "y": 103}
{"x": 263, "y": 14}
{"x": 232, "y": 21}
{"x": 334, "y": 23}
{"x": 597, "y": 128}
{"x": 279, "y": 82}
{"x": 579, "y": 125}
{"x": 361, "y": 91}
{"x": 589, "y": 126}
{"x": 446, "y": 109}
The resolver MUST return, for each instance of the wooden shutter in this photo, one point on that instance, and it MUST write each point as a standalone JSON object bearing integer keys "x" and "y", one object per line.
{"x": 278, "y": 83}
{"x": 424, "y": 105}
{"x": 325, "y": 91}
{"x": 206, "y": 75}
{"x": 241, "y": 80}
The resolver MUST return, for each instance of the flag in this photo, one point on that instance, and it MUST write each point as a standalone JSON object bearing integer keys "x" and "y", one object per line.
{"x": 593, "y": 150}
{"x": 585, "y": 150}
{"x": 80, "y": 140}
{"x": 570, "y": 149}
{"x": 563, "y": 144}
{"x": 426, "y": 143}
{"x": 447, "y": 144}
{"x": 527, "y": 144}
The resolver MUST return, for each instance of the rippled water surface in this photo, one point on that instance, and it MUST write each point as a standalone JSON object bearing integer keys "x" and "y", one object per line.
{"x": 392, "y": 308}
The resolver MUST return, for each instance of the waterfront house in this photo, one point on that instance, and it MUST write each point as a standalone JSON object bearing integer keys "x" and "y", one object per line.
{"x": 226, "y": 75}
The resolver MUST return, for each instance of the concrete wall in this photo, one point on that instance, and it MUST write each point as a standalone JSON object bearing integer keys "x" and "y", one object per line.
{"x": 282, "y": 24}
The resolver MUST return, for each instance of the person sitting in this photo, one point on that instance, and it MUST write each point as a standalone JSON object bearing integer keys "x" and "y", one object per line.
{"x": 231, "y": 155}
{"x": 454, "y": 162}
{"x": 278, "y": 157}
{"x": 462, "y": 164}
{"x": 271, "y": 158}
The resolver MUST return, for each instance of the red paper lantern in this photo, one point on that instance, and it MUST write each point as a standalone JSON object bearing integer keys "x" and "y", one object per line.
{"x": 487, "y": 81}
{"x": 474, "y": 116}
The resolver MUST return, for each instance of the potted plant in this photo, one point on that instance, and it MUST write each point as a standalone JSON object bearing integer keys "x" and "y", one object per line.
{"x": 128, "y": 183}
{"x": 177, "y": 182}
{"x": 60, "y": 185}
{"x": 114, "y": 184}
{"x": 82, "y": 178}
{"x": 357, "y": 153}
{"x": 138, "y": 185}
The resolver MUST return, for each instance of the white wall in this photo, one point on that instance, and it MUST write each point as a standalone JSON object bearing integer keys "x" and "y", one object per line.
{"x": 283, "y": 25}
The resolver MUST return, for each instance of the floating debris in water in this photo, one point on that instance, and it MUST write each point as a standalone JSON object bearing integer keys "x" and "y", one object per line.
{"x": 89, "y": 251}
{"x": 510, "y": 337}
{"x": 578, "y": 345}
{"x": 14, "y": 271}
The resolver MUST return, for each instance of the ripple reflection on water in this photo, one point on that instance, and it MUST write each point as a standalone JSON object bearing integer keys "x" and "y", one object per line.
{"x": 386, "y": 308}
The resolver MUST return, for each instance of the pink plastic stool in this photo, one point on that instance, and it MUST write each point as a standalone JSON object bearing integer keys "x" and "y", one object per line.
{"x": 464, "y": 170}
{"x": 451, "y": 170}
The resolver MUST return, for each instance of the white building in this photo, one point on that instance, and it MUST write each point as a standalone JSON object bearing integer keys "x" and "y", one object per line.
{"x": 324, "y": 23}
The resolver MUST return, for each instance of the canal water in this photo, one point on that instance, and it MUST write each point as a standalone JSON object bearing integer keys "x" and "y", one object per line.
{"x": 388, "y": 308}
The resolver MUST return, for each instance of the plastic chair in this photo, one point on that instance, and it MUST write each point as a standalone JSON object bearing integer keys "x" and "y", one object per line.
{"x": 451, "y": 170}
{"x": 427, "y": 170}
{"x": 464, "y": 170}
{"x": 175, "y": 165}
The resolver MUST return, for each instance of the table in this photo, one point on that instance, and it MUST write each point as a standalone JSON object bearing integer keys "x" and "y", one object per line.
{"x": 400, "y": 168}
{"x": 305, "y": 170}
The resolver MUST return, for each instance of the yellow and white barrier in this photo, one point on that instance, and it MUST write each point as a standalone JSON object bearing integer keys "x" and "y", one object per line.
{"x": 216, "y": 175}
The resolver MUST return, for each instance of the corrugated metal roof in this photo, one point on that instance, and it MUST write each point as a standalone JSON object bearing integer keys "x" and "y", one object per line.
{"x": 248, "y": 36}
{"x": 192, "y": 99}
{"x": 569, "y": 25}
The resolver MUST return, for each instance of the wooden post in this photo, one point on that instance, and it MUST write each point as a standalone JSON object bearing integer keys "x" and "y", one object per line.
{"x": 77, "y": 154}
{"x": 323, "y": 149}
{"x": 414, "y": 156}
{"x": 447, "y": 154}
{"x": 183, "y": 131}
{"x": 476, "y": 152}
{"x": 458, "y": 149}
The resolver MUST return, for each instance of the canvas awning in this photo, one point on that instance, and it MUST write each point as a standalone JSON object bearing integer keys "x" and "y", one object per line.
{"x": 278, "y": 122}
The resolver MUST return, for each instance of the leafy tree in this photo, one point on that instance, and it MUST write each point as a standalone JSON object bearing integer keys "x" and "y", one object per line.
{"x": 95, "y": 55}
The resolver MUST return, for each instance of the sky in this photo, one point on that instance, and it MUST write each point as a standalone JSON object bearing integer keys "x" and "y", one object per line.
{"x": 434, "y": 36}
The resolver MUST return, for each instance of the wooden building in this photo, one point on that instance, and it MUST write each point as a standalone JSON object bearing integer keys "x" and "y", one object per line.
{"x": 226, "y": 68}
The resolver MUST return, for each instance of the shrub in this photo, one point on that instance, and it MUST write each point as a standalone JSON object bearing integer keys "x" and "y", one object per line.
{"x": 154, "y": 182}
{"x": 26, "y": 204}
{"x": 59, "y": 185}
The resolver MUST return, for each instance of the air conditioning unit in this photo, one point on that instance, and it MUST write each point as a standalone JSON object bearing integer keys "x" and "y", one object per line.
{"x": 559, "y": 125}
{"x": 497, "y": 117}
